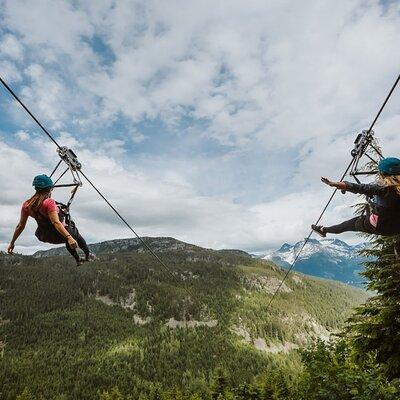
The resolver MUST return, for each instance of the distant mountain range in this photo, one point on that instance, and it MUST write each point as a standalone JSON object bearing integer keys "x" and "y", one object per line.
{"x": 157, "y": 244}
{"x": 326, "y": 258}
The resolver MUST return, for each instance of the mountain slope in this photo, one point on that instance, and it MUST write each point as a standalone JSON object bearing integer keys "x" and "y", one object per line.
{"x": 158, "y": 244}
{"x": 124, "y": 319}
{"x": 326, "y": 258}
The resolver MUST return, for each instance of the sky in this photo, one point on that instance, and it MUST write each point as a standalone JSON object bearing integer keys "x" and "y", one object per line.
{"x": 211, "y": 122}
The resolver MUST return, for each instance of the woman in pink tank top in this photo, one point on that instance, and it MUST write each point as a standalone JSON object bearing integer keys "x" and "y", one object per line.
{"x": 51, "y": 228}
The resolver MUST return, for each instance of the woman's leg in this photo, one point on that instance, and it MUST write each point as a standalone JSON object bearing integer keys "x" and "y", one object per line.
{"x": 357, "y": 224}
{"x": 73, "y": 252}
{"x": 346, "y": 226}
{"x": 73, "y": 230}
{"x": 82, "y": 245}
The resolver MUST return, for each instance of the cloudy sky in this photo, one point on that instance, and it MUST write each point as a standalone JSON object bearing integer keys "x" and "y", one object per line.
{"x": 207, "y": 121}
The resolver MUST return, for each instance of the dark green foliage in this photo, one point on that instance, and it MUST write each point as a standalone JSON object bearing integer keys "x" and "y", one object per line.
{"x": 330, "y": 373}
{"x": 59, "y": 341}
{"x": 374, "y": 329}
{"x": 220, "y": 385}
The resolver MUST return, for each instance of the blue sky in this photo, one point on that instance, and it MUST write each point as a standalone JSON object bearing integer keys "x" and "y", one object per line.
{"x": 210, "y": 122}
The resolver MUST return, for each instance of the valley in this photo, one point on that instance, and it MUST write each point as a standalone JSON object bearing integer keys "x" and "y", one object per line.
{"x": 123, "y": 319}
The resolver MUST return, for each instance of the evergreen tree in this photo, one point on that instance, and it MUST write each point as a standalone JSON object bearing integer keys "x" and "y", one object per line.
{"x": 374, "y": 329}
{"x": 220, "y": 385}
{"x": 114, "y": 394}
{"x": 330, "y": 373}
{"x": 26, "y": 395}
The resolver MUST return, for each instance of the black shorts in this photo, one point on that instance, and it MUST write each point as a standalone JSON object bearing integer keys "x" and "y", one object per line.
{"x": 49, "y": 234}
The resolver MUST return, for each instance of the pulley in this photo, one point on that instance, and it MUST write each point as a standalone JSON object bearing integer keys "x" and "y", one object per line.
{"x": 363, "y": 140}
{"x": 73, "y": 166}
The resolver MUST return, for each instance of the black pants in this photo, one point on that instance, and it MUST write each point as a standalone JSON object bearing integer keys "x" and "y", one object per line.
{"x": 46, "y": 232}
{"x": 357, "y": 224}
{"x": 81, "y": 243}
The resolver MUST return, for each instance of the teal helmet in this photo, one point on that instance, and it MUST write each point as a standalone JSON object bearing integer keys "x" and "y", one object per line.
{"x": 389, "y": 166}
{"x": 42, "y": 182}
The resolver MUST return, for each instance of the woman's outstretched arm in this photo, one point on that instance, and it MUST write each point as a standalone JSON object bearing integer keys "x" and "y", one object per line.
{"x": 18, "y": 230}
{"x": 369, "y": 189}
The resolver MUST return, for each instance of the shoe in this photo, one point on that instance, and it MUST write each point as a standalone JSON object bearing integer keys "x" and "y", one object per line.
{"x": 319, "y": 229}
{"x": 91, "y": 257}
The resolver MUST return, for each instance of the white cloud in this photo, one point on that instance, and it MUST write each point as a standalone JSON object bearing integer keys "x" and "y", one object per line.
{"x": 249, "y": 70}
{"x": 11, "y": 47}
{"x": 137, "y": 136}
{"x": 23, "y": 136}
{"x": 53, "y": 24}
{"x": 265, "y": 73}
{"x": 168, "y": 207}
{"x": 10, "y": 72}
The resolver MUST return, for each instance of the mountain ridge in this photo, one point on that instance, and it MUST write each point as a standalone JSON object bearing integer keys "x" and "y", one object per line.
{"x": 157, "y": 244}
{"x": 326, "y": 258}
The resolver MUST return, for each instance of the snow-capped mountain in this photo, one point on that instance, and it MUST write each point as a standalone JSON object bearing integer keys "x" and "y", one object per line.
{"x": 326, "y": 258}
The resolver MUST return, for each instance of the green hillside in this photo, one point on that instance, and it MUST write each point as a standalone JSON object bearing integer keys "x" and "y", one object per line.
{"x": 68, "y": 332}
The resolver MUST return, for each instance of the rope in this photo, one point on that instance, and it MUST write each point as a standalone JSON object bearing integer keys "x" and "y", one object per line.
{"x": 333, "y": 195}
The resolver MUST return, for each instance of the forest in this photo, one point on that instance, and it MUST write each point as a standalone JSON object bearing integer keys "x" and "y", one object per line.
{"x": 120, "y": 328}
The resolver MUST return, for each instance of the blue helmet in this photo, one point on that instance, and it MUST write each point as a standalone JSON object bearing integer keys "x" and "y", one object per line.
{"x": 389, "y": 166}
{"x": 42, "y": 182}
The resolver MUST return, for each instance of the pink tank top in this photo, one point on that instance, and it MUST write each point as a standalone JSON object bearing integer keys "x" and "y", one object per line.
{"x": 47, "y": 206}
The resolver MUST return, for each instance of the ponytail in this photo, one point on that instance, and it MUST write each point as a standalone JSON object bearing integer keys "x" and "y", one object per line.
{"x": 37, "y": 199}
{"x": 392, "y": 181}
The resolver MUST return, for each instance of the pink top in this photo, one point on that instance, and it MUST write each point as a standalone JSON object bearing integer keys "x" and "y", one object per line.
{"x": 373, "y": 219}
{"x": 47, "y": 206}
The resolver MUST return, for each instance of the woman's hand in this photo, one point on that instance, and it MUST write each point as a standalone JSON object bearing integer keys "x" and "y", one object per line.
{"x": 10, "y": 248}
{"x": 328, "y": 182}
{"x": 18, "y": 230}
{"x": 338, "y": 185}
{"x": 72, "y": 242}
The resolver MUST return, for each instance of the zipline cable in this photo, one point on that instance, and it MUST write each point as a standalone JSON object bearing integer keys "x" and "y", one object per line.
{"x": 333, "y": 195}
{"x": 102, "y": 196}
{"x": 384, "y": 103}
{"x": 139, "y": 237}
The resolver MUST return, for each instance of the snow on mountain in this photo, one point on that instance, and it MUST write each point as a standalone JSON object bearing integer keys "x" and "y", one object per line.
{"x": 335, "y": 248}
{"x": 327, "y": 258}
